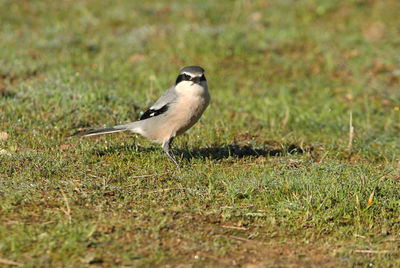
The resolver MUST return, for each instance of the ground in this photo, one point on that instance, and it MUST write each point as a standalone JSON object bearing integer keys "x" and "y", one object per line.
{"x": 294, "y": 164}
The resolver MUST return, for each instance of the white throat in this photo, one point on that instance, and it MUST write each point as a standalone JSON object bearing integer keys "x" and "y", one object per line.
{"x": 191, "y": 88}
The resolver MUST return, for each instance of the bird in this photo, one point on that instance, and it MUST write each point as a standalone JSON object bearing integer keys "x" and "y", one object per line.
{"x": 176, "y": 111}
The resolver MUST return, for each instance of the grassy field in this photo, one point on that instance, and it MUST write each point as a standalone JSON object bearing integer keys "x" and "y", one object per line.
{"x": 271, "y": 177}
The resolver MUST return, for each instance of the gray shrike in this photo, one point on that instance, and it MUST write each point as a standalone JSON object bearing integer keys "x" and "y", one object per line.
{"x": 177, "y": 110}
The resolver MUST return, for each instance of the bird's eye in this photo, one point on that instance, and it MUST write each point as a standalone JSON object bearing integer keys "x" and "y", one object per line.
{"x": 183, "y": 77}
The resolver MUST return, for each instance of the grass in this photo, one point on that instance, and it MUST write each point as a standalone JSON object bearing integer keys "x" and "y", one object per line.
{"x": 268, "y": 176}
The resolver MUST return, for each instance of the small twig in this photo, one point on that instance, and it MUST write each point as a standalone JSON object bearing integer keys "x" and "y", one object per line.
{"x": 361, "y": 236}
{"x": 371, "y": 251}
{"x": 47, "y": 222}
{"x": 234, "y": 227}
{"x": 4, "y": 261}
{"x": 239, "y": 238}
{"x": 68, "y": 211}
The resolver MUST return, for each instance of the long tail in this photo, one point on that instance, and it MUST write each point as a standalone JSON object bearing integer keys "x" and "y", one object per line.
{"x": 95, "y": 132}
{"x": 115, "y": 129}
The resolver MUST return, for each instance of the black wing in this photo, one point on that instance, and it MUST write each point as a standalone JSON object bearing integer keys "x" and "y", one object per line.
{"x": 154, "y": 112}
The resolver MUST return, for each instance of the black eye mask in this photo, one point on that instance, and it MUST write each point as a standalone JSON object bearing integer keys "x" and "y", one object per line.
{"x": 186, "y": 77}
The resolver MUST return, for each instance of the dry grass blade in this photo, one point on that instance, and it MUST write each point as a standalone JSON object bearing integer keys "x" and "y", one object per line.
{"x": 286, "y": 118}
{"x": 351, "y": 131}
{"x": 371, "y": 198}
{"x": 234, "y": 227}
{"x": 67, "y": 211}
{"x": 371, "y": 251}
{"x": 8, "y": 262}
{"x": 239, "y": 238}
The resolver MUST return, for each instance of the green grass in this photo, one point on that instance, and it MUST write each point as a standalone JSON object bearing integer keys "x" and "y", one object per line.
{"x": 267, "y": 178}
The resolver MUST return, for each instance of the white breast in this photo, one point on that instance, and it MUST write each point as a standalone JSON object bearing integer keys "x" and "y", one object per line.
{"x": 192, "y": 101}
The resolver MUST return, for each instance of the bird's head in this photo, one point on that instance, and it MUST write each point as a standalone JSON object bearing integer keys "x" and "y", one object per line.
{"x": 191, "y": 76}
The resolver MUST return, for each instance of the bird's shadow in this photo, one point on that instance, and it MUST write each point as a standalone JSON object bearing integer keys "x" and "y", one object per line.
{"x": 237, "y": 151}
{"x": 215, "y": 152}
{"x": 119, "y": 149}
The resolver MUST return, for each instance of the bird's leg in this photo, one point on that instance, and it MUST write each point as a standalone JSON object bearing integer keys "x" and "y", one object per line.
{"x": 167, "y": 149}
